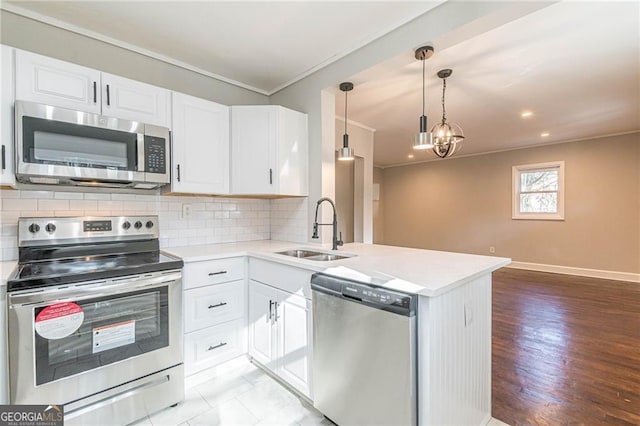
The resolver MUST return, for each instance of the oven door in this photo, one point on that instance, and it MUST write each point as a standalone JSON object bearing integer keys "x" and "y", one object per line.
{"x": 69, "y": 342}
{"x": 77, "y": 147}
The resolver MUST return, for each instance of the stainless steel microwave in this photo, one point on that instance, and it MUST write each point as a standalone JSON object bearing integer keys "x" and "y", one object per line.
{"x": 60, "y": 146}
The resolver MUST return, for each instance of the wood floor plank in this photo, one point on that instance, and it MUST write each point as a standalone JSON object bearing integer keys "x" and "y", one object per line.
{"x": 566, "y": 350}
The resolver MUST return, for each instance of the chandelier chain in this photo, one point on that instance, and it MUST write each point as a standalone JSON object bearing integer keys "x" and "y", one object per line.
{"x": 444, "y": 111}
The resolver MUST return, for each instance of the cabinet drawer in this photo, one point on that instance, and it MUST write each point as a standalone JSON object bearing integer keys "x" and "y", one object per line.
{"x": 199, "y": 274}
{"x": 207, "y": 306}
{"x": 284, "y": 277}
{"x": 213, "y": 345}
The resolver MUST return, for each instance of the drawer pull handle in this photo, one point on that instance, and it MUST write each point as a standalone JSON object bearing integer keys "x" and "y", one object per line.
{"x": 217, "y": 306}
{"x": 217, "y": 273}
{"x": 217, "y": 346}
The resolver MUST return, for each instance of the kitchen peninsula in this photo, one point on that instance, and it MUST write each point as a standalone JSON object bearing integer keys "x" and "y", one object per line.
{"x": 454, "y": 312}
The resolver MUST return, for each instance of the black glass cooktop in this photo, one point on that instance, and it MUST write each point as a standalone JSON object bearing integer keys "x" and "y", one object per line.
{"x": 89, "y": 268}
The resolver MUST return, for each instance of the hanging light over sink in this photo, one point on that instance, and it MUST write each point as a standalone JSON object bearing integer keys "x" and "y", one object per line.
{"x": 345, "y": 153}
{"x": 424, "y": 138}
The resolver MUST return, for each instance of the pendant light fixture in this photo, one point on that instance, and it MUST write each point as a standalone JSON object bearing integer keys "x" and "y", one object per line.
{"x": 345, "y": 153}
{"x": 424, "y": 139}
{"x": 446, "y": 136}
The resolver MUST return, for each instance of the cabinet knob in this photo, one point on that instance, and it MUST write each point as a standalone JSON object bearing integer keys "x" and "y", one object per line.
{"x": 216, "y": 306}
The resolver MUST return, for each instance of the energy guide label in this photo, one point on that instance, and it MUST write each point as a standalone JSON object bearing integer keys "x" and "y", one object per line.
{"x": 114, "y": 335}
{"x": 59, "y": 320}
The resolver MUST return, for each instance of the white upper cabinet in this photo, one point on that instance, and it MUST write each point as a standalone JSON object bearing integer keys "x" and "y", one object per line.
{"x": 269, "y": 151}
{"x": 200, "y": 146}
{"x": 58, "y": 83}
{"x": 132, "y": 100}
{"x": 6, "y": 116}
{"x": 53, "y": 82}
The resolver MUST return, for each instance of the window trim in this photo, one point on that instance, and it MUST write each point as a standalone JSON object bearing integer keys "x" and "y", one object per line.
{"x": 515, "y": 191}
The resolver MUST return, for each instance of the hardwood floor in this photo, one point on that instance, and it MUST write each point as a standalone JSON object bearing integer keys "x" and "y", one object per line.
{"x": 566, "y": 350}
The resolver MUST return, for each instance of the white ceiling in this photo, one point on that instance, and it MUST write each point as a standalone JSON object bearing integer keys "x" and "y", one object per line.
{"x": 575, "y": 65}
{"x": 264, "y": 45}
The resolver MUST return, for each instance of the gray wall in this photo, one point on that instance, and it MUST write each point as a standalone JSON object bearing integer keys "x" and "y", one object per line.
{"x": 464, "y": 205}
{"x": 34, "y": 36}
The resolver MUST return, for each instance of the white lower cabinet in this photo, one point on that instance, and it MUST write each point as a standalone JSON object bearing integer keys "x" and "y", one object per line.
{"x": 214, "y": 313}
{"x": 280, "y": 333}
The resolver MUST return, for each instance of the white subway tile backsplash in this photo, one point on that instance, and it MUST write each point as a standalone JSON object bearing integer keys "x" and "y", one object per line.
{"x": 213, "y": 220}
{"x": 83, "y": 205}
{"x": 97, "y": 196}
{"x": 288, "y": 221}
{"x": 53, "y": 204}
{"x": 36, "y": 194}
{"x": 64, "y": 195}
{"x": 110, "y": 205}
{"x": 19, "y": 205}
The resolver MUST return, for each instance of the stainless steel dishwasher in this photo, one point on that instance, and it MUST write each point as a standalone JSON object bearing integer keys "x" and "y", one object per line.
{"x": 364, "y": 352}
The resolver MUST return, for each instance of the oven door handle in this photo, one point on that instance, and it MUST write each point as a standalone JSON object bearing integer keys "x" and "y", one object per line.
{"x": 92, "y": 291}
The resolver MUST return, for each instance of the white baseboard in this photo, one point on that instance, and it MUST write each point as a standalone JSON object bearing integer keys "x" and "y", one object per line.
{"x": 583, "y": 272}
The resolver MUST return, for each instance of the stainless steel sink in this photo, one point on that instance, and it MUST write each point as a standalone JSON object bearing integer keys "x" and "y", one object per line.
{"x": 313, "y": 255}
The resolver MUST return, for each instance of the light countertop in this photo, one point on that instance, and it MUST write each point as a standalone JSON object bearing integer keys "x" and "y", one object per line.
{"x": 424, "y": 272}
{"x": 6, "y": 268}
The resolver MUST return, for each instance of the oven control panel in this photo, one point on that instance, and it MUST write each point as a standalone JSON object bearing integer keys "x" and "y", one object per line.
{"x": 97, "y": 225}
{"x": 41, "y": 231}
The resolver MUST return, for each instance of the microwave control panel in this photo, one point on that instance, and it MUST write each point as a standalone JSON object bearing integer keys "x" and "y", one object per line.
{"x": 155, "y": 155}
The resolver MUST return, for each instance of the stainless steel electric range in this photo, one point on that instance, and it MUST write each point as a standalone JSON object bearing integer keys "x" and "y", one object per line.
{"x": 95, "y": 319}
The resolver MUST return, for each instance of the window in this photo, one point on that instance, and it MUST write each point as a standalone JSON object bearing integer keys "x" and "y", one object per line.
{"x": 538, "y": 191}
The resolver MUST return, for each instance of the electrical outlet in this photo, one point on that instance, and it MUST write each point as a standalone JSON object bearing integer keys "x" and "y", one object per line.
{"x": 187, "y": 209}
{"x": 492, "y": 249}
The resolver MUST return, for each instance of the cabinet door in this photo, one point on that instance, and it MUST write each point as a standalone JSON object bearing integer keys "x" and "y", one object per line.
{"x": 292, "y": 153}
{"x": 7, "y": 92}
{"x": 254, "y": 133}
{"x": 132, "y": 100}
{"x": 294, "y": 343}
{"x": 200, "y": 146}
{"x": 262, "y": 345}
{"x": 58, "y": 83}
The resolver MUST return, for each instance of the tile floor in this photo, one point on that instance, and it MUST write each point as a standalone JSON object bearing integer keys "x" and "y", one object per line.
{"x": 237, "y": 394}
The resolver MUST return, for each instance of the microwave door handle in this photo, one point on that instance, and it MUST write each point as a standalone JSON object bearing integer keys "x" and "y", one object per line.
{"x": 140, "y": 164}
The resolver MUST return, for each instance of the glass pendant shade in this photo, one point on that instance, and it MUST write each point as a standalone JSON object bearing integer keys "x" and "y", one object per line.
{"x": 424, "y": 139}
{"x": 444, "y": 132}
{"x": 345, "y": 154}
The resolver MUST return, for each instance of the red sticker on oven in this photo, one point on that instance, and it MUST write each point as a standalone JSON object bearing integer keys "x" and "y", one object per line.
{"x": 59, "y": 320}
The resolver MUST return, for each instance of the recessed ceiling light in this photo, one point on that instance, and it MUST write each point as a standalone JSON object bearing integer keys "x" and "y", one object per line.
{"x": 526, "y": 114}
{"x": 545, "y": 134}
{"x": 410, "y": 156}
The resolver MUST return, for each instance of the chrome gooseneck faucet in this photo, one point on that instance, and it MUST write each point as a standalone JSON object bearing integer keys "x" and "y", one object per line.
{"x": 336, "y": 242}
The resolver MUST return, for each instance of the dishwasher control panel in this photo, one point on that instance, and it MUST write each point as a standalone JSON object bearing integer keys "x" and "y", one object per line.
{"x": 377, "y": 296}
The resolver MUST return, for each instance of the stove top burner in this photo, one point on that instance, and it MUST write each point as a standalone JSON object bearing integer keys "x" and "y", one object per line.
{"x": 47, "y": 273}
{"x": 58, "y": 251}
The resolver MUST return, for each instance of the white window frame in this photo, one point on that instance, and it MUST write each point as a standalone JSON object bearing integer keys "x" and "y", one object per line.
{"x": 515, "y": 190}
